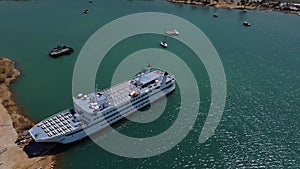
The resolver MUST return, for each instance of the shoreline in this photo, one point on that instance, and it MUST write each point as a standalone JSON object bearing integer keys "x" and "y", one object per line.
{"x": 13, "y": 126}
{"x": 235, "y": 5}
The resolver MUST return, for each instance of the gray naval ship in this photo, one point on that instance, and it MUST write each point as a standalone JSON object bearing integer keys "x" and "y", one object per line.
{"x": 98, "y": 109}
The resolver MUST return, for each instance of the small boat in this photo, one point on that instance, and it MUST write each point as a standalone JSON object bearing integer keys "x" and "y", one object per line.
{"x": 90, "y": 2}
{"x": 215, "y": 15}
{"x": 245, "y": 23}
{"x": 163, "y": 44}
{"x": 172, "y": 32}
{"x": 61, "y": 50}
{"x": 86, "y": 11}
{"x": 245, "y": 10}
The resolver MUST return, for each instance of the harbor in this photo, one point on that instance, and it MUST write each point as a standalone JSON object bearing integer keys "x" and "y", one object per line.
{"x": 259, "y": 126}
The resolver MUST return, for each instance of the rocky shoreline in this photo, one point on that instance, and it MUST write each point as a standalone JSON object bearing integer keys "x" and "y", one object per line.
{"x": 13, "y": 126}
{"x": 241, "y": 5}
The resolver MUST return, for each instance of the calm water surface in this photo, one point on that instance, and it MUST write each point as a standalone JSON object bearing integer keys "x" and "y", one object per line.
{"x": 260, "y": 125}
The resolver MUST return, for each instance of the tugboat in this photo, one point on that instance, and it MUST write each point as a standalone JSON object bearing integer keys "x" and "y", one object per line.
{"x": 61, "y": 50}
{"x": 246, "y": 23}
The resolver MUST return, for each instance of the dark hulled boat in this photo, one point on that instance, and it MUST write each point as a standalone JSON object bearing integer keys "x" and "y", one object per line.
{"x": 245, "y": 23}
{"x": 60, "y": 51}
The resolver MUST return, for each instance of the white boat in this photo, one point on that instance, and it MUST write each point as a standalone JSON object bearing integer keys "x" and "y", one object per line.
{"x": 99, "y": 109}
{"x": 163, "y": 44}
{"x": 172, "y": 32}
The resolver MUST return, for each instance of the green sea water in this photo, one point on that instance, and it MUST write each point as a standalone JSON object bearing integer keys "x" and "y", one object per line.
{"x": 260, "y": 124}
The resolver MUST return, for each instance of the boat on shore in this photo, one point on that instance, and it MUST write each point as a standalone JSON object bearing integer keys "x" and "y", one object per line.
{"x": 60, "y": 51}
{"x": 94, "y": 111}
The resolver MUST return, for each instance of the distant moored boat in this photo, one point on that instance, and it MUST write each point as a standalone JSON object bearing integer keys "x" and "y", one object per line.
{"x": 172, "y": 32}
{"x": 245, "y": 23}
{"x": 86, "y": 11}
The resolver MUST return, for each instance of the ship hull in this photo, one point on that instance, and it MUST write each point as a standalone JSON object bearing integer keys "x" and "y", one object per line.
{"x": 81, "y": 133}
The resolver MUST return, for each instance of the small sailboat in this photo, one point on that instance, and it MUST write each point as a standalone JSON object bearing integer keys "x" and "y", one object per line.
{"x": 164, "y": 42}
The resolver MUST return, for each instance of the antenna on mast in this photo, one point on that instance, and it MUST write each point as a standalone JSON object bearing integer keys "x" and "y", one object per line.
{"x": 96, "y": 90}
{"x": 148, "y": 68}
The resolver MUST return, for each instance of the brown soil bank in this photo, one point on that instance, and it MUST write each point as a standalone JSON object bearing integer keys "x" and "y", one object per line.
{"x": 13, "y": 125}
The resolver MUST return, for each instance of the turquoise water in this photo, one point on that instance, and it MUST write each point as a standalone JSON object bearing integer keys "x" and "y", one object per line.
{"x": 260, "y": 125}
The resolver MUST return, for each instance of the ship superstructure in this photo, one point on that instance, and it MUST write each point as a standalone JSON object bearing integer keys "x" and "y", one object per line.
{"x": 98, "y": 109}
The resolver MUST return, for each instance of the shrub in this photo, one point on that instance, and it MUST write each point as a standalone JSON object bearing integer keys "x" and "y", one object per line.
{"x": 2, "y": 69}
{"x": 2, "y": 79}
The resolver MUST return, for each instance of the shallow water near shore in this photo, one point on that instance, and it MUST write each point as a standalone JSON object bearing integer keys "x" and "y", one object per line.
{"x": 260, "y": 125}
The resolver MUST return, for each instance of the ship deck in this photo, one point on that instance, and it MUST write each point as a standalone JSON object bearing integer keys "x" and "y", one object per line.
{"x": 55, "y": 125}
{"x": 119, "y": 94}
{"x": 116, "y": 96}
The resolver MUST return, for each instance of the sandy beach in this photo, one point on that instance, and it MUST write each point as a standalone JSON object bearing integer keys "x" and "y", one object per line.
{"x": 13, "y": 125}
